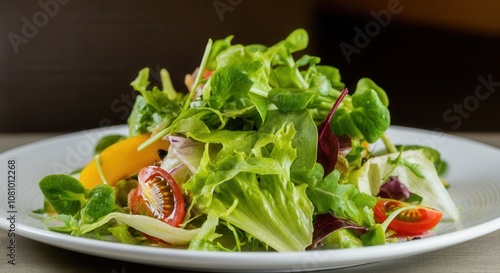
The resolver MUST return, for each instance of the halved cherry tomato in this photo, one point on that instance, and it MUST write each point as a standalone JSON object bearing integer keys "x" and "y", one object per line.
{"x": 409, "y": 222}
{"x": 157, "y": 195}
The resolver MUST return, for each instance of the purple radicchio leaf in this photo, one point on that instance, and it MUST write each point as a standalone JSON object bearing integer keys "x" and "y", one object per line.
{"x": 328, "y": 223}
{"x": 394, "y": 189}
{"x": 328, "y": 143}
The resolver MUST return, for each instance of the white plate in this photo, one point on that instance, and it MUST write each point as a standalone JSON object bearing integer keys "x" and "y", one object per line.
{"x": 474, "y": 174}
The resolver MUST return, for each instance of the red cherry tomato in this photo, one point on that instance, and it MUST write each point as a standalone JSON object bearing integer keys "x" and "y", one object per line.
{"x": 410, "y": 222}
{"x": 157, "y": 195}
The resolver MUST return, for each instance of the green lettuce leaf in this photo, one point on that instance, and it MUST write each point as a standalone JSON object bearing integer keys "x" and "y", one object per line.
{"x": 248, "y": 184}
{"x": 154, "y": 109}
{"x": 344, "y": 200}
{"x": 228, "y": 84}
{"x": 218, "y": 47}
{"x": 366, "y": 115}
{"x": 206, "y": 238}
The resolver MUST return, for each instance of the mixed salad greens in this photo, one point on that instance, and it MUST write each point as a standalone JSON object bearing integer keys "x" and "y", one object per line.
{"x": 265, "y": 151}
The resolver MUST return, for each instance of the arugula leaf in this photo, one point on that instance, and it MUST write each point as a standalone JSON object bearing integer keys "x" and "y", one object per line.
{"x": 154, "y": 109}
{"x": 143, "y": 118}
{"x": 154, "y": 97}
{"x": 227, "y": 84}
{"x": 344, "y": 200}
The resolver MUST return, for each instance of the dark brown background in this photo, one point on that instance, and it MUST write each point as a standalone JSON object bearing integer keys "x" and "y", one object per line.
{"x": 75, "y": 72}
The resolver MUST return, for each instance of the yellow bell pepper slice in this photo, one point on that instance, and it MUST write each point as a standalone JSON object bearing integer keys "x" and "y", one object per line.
{"x": 121, "y": 160}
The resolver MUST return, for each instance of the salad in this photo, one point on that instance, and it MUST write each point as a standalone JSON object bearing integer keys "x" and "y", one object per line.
{"x": 263, "y": 151}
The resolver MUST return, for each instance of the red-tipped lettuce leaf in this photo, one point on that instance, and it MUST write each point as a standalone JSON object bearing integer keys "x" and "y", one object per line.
{"x": 328, "y": 143}
{"x": 328, "y": 223}
{"x": 394, "y": 189}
